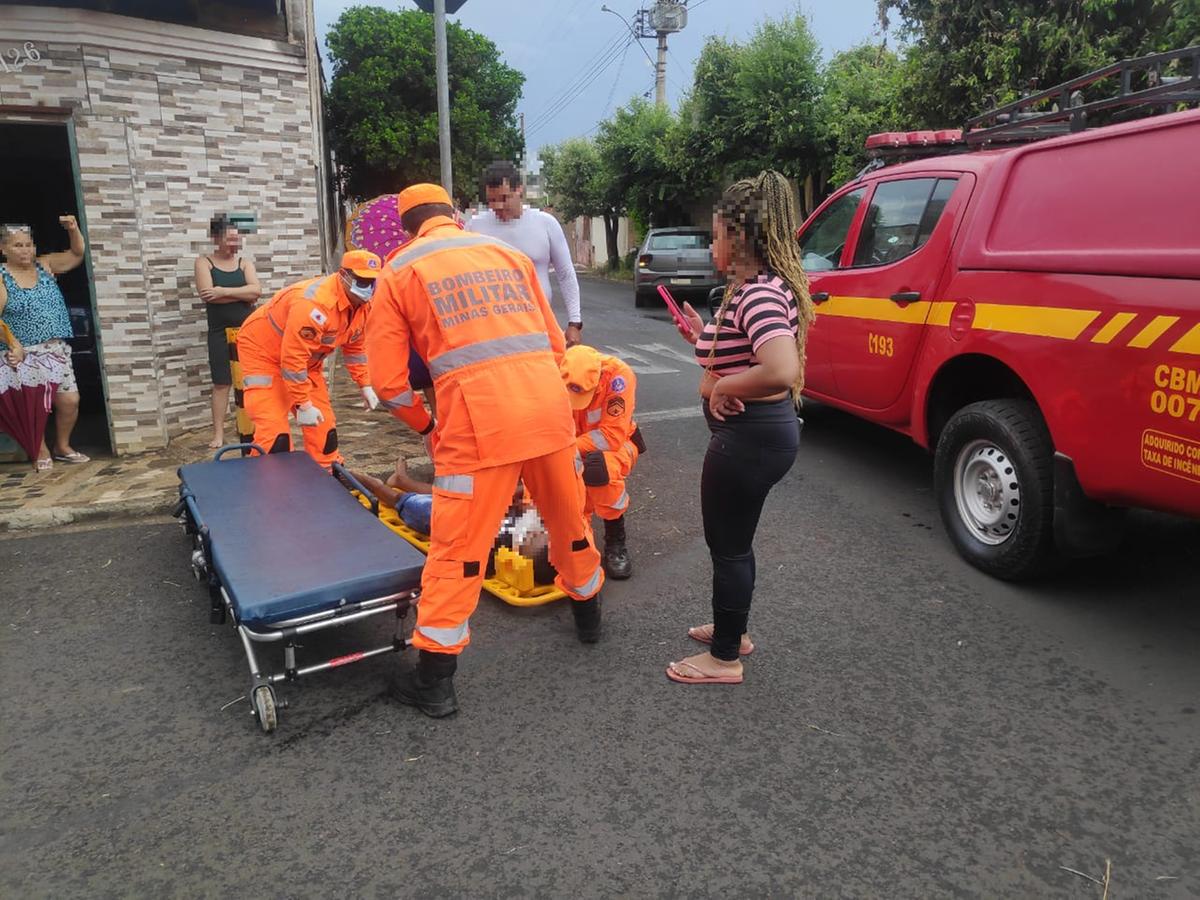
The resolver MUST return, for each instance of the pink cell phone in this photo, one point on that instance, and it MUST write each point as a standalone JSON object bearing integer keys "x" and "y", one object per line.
{"x": 675, "y": 311}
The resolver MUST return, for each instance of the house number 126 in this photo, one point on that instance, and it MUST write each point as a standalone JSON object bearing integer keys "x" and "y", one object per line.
{"x": 19, "y": 57}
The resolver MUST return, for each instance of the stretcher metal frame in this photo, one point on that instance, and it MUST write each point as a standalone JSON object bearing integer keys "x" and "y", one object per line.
{"x": 265, "y": 704}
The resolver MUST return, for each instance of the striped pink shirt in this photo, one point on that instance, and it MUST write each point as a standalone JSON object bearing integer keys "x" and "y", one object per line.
{"x": 760, "y": 310}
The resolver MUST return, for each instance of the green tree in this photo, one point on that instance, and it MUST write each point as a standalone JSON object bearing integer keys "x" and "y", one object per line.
{"x": 382, "y": 102}
{"x": 863, "y": 87}
{"x": 579, "y": 185}
{"x": 635, "y": 148}
{"x": 966, "y": 53}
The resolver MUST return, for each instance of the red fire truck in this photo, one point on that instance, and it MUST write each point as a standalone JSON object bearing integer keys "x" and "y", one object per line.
{"x": 1027, "y": 306}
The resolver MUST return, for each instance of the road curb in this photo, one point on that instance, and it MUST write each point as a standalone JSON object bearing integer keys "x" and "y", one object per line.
{"x": 29, "y": 520}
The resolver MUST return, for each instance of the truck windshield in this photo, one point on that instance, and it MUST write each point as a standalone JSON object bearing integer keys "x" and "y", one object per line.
{"x": 822, "y": 242}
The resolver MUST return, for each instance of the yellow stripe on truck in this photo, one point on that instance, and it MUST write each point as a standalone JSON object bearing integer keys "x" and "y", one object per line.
{"x": 1153, "y": 331}
{"x": 1114, "y": 327}
{"x": 880, "y": 309}
{"x": 1037, "y": 321}
{"x": 1189, "y": 343}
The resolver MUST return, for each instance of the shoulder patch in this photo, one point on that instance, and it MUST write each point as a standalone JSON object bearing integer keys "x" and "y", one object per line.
{"x": 308, "y": 333}
{"x": 615, "y": 406}
{"x": 617, "y": 385}
{"x": 317, "y": 316}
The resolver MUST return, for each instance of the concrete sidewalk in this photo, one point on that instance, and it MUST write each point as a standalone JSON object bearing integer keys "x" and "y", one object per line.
{"x": 146, "y": 483}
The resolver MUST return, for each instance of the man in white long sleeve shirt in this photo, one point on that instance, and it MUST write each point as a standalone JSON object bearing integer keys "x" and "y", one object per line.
{"x": 535, "y": 233}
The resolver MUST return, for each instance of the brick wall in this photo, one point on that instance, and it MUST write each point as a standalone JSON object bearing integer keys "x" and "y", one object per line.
{"x": 191, "y": 124}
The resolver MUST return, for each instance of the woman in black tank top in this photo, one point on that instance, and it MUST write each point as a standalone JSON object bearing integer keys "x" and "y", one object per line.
{"x": 228, "y": 285}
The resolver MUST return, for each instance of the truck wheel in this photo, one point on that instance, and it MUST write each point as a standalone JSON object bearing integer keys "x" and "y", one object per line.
{"x": 994, "y": 479}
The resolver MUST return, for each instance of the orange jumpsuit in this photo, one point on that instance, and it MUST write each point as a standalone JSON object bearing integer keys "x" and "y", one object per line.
{"x": 472, "y": 307}
{"x": 282, "y": 346}
{"x": 607, "y": 425}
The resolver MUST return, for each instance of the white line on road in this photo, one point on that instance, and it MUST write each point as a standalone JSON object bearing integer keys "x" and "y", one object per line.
{"x": 666, "y": 415}
{"x": 665, "y": 350}
{"x": 640, "y": 364}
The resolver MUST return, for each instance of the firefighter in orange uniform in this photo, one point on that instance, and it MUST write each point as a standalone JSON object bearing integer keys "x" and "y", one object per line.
{"x": 472, "y": 307}
{"x": 603, "y": 395}
{"x": 283, "y": 344}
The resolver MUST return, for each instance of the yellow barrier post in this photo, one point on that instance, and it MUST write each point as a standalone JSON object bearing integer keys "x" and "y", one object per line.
{"x": 245, "y": 425}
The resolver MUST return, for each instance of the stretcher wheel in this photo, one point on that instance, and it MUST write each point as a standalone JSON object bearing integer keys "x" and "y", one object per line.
{"x": 264, "y": 708}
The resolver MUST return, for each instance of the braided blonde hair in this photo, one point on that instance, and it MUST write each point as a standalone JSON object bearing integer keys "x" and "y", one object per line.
{"x": 759, "y": 214}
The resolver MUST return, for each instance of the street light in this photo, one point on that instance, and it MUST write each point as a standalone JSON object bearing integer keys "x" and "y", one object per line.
{"x": 636, "y": 36}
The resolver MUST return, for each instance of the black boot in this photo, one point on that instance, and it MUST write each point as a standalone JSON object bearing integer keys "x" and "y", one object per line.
{"x": 616, "y": 557}
{"x": 587, "y": 619}
{"x": 429, "y": 685}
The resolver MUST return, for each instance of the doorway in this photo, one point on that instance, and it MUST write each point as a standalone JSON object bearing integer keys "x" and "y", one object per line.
{"x": 38, "y": 183}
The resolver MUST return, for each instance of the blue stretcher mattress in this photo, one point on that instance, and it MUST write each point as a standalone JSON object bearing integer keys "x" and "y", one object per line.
{"x": 288, "y": 540}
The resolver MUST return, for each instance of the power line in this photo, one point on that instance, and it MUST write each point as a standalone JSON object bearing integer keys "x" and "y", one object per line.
{"x": 574, "y": 90}
{"x": 611, "y": 48}
{"x": 550, "y": 114}
{"x": 613, "y": 90}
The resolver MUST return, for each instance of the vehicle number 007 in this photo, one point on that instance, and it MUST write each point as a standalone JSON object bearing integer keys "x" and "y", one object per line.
{"x": 1177, "y": 406}
{"x": 880, "y": 345}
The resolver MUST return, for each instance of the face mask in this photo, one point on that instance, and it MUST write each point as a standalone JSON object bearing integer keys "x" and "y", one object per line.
{"x": 362, "y": 292}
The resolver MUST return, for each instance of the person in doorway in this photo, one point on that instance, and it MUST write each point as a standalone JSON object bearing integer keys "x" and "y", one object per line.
{"x": 753, "y": 355}
{"x": 535, "y": 233}
{"x": 603, "y": 393}
{"x": 473, "y": 308}
{"x": 33, "y": 307}
{"x": 228, "y": 285}
{"x": 284, "y": 343}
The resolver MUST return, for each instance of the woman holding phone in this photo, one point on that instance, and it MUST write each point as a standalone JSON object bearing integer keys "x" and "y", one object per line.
{"x": 752, "y": 354}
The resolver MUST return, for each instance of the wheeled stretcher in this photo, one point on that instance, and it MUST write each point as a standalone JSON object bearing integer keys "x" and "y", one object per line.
{"x": 287, "y": 551}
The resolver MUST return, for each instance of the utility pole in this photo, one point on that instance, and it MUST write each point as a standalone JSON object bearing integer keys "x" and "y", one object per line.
{"x": 439, "y": 8}
{"x": 443, "y": 93}
{"x": 524, "y": 153}
{"x": 660, "y": 72}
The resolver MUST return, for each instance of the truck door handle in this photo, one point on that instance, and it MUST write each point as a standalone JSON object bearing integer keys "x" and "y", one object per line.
{"x": 820, "y": 296}
{"x": 906, "y": 297}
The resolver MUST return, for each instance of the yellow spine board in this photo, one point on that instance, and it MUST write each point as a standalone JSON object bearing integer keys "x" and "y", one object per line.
{"x": 513, "y": 582}
{"x": 245, "y": 426}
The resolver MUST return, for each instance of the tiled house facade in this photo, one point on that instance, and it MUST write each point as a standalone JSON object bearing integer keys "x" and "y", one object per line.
{"x": 173, "y": 123}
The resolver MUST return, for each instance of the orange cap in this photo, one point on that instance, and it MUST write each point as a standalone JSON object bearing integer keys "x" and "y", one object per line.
{"x": 420, "y": 194}
{"x": 580, "y": 369}
{"x": 362, "y": 263}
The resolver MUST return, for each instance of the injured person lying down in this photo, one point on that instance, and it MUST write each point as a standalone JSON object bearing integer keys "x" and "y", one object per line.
{"x": 521, "y": 530}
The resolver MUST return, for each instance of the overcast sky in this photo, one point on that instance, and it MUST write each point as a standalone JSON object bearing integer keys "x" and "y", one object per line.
{"x": 554, "y": 43}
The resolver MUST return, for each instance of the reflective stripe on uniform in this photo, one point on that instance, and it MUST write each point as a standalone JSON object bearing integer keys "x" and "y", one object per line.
{"x": 311, "y": 290}
{"x": 278, "y": 330}
{"x": 622, "y": 501}
{"x": 455, "y": 484}
{"x": 445, "y": 244}
{"x": 292, "y": 375}
{"x": 485, "y": 350}
{"x": 594, "y": 416}
{"x": 354, "y": 358}
{"x": 597, "y": 437}
{"x": 446, "y": 637}
{"x": 404, "y": 399}
{"x": 257, "y": 380}
{"x": 578, "y": 463}
{"x": 588, "y": 589}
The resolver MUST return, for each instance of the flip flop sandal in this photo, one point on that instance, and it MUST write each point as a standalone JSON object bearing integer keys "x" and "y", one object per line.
{"x": 699, "y": 677}
{"x": 45, "y": 465}
{"x": 73, "y": 457}
{"x": 703, "y": 634}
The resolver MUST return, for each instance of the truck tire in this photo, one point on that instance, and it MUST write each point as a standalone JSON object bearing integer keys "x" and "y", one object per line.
{"x": 994, "y": 481}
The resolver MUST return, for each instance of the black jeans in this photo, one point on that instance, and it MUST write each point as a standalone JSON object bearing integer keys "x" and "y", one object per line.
{"x": 747, "y": 454}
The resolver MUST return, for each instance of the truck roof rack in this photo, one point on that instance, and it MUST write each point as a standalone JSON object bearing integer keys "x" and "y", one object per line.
{"x": 1143, "y": 85}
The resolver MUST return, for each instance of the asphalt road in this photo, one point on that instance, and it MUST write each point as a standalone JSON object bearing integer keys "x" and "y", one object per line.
{"x": 908, "y": 727}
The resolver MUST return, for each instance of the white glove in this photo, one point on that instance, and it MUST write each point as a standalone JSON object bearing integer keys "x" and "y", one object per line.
{"x": 370, "y": 398}
{"x": 307, "y": 414}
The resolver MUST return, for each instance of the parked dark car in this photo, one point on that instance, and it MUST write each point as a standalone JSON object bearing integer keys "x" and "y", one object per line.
{"x": 680, "y": 258}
